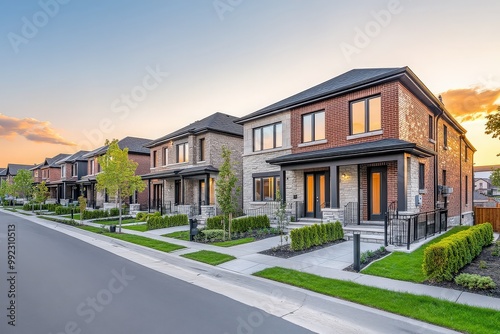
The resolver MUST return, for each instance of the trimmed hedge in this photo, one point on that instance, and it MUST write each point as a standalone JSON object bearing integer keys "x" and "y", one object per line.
{"x": 445, "y": 258}
{"x": 155, "y": 222}
{"x": 49, "y": 207}
{"x": 65, "y": 210}
{"x": 94, "y": 214}
{"x": 315, "y": 235}
{"x": 242, "y": 224}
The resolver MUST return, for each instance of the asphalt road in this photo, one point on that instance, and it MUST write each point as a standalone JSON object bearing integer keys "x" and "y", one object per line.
{"x": 59, "y": 284}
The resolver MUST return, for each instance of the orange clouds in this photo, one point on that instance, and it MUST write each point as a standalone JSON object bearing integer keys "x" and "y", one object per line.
{"x": 468, "y": 104}
{"x": 30, "y": 129}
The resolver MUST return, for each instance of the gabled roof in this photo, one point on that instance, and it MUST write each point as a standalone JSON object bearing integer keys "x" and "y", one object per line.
{"x": 354, "y": 80}
{"x": 217, "y": 122}
{"x": 480, "y": 197}
{"x": 78, "y": 156}
{"x": 482, "y": 179}
{"x": 51, "y": 162}
{"x": 3, "y": 171}
{"x": 12, "y": 169}
{"x": 378, "y": 147}
{"x": 134, "y": 145}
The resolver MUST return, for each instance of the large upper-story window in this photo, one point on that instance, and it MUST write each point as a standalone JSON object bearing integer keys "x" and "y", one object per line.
{"x": 445, "y": 136}
{"x": 74, "y": 169}
{"x": 313, "y": 126}
{"x": 183, "y": 152}
{"x": 267, "y": 137}
{"x": 63, "y": 171}
{"x": 366, "y": 115}
{"x": 202, "y": 150}
{"x": 155, "y": 157}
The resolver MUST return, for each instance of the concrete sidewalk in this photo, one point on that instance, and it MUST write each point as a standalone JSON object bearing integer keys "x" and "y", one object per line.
{"x": 327, "y": 262}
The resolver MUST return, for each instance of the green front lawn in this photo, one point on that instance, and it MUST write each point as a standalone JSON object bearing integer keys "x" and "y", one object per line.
{"x": 76, "y": 216}
{"x": 460, "y": 317}
{"x": 406, "y": 266}
{"x": 181, "y": 235}
{"x": 230, "y": 243}
{"x": 140, "y": 228}
{"x": 136, "y": 239}
{"x": 209, "y": 257}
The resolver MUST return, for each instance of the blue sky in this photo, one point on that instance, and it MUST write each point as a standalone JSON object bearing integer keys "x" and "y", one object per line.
{"x": 64, "y": 87}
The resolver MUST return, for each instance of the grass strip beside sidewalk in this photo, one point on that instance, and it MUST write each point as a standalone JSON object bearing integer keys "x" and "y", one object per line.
{"x": 136, "y": 239}
{"x": 439, "y": 312}
{"x": 209, "y": 257}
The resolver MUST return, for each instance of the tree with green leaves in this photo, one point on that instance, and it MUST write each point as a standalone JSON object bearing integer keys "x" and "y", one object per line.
{"x": 82, "y": 203}
{"x": 5, "y": 189}
{"x": 40, "y": 193}
{"x": 493, "y": 125}
{"x": 495, "y": 177}
{"x": 22, "y": 184}
{"x": 281, "y": 216}
{"x": 226, "y": 190}
{"x": 118, "y": 175}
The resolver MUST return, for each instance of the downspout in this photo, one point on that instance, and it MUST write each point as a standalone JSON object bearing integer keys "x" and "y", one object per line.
{"x": 436, "y": 157}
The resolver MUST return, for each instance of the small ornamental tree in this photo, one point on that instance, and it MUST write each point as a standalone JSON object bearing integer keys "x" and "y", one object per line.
{"x": 495, "y": 177}
{"x": 22, "y": 184}
{"x": 40, "y": 193}
{"x": 5, "y": 189}
{"x": 82, "y": 203}
{"x": 118, "y": 175}
{"x": 226, "y": 190}
{"x": 281, "y": 217}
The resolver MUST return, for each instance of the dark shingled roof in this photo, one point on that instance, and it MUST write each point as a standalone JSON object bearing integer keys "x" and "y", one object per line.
{"x": 78, "y": 156}
{"x": 134, "y": 145}
{"x": 217, "y": 122}
{"x": 51, "y": 162}
{"x": 12, "y": 169}
{"x": 343, "y": 152}
{"x": 353, "y": 78}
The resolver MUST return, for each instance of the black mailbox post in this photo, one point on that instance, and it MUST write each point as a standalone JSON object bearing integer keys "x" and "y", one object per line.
{"x": 193, "y": 228}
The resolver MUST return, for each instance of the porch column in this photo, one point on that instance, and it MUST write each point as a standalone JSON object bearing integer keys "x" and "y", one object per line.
{"x": 283, "y": 185}
{"x": 182, "y": 190}
{"x": 334, "y": 186}
{"x": 149, "y": 195}
{"x": 207, "y": 189}
{"x": 402, "y": 182}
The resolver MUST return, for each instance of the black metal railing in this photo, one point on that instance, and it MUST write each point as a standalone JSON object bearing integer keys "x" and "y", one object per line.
{"x": 271, "y": 208}
{"x": 405, "y": 229}
{"x": 351, "y": 213}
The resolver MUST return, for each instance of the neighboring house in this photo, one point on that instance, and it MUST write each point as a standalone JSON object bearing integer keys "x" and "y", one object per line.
{"x": 482, "y": 185}
{"x": 7, "y": 174}
{"x": 50, "y": 172}
{"x": 367, "y": 139}
{"x": 185, "y": 164}
{"x": 482, "y": 180}
{"x": 136, "y": 152}
{"x": 73, "y": 168}
{"x": 484, "y": 201}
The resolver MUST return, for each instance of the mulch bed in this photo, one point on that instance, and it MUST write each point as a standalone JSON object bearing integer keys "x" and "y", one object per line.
{"x": 492, "y": 270}
{"x": 257, "y": 235}
{"x": 287, "y": 252}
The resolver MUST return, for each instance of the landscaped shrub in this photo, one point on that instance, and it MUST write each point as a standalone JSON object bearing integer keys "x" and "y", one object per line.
{"x": 141, "y": 216}
{"x": 114, "y": 212}
{"x": 212, "y": 235}
{"x": 64, "y": 210}
{"x": 157, "y": 221}
{"x": 242, "y": 224}
{"x": 315, "y": 235}
{"x": 475, "y": 282}
{"x": 94, "y": 214}
{"x": 445, "y": 258}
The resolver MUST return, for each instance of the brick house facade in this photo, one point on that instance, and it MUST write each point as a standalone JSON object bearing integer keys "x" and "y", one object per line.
{"x": 88, "y": 183}
{"x": 50, "y": 173}
{"x": 369, "y": 138}
{"x": 73, "y": 168}
{"x": 184, "y": 164}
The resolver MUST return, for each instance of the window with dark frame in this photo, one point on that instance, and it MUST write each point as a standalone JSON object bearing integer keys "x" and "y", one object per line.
{"x": 74, "y": 170}
{"x": 313, "y": 126}
{"x": 444, "y": 177}
{"x": 202, "y": 149}
{"x": 445, "y": 136}
{"x": 421, "y": 176}
{"x": 365, "y": 115}
{"x": 431, "y": 127}
{"x": 165, "y": 156}
{"x": 155, "y": 156}
{"x": 265, "y": 188}
{"x": 183, "y": 153}
{"x": 267, "y": 137}
{"x": 466, "y": 189}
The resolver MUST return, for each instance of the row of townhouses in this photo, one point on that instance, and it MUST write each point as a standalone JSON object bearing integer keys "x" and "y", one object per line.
{"x": 369, "y": 139}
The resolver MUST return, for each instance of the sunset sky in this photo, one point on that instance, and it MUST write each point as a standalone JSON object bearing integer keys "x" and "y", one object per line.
{"x": 74, "y": 73}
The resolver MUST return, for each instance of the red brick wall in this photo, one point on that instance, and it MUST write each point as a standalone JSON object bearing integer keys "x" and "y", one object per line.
{"x": 337, "y": 118}
{"x": 142, "y": 168}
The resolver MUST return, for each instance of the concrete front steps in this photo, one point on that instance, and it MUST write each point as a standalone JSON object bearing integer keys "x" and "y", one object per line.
{"x": 371, "y": 232}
